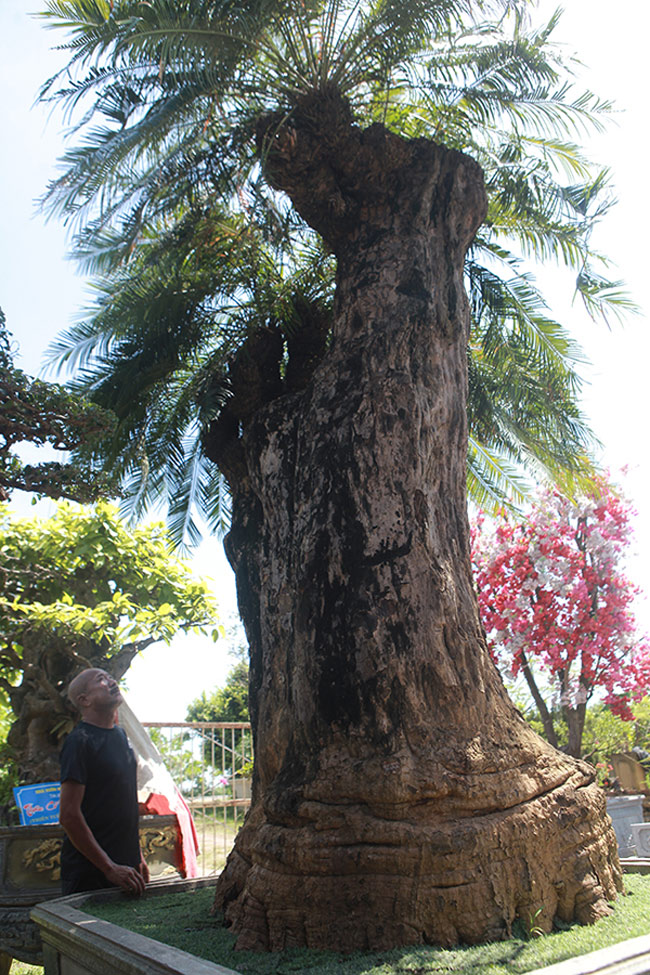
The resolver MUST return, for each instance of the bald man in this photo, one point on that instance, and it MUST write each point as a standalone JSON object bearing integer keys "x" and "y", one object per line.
{"x": 99, "y": 798}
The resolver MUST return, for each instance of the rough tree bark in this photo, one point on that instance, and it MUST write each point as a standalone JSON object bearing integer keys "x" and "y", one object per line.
{"x": 398, "y": 796}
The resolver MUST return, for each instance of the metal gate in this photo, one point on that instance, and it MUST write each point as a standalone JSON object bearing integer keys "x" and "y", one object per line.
{"x": 211, "y": 763}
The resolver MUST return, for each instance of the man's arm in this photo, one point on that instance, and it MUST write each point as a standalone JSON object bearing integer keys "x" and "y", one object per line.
{"x": 73, "y": 822}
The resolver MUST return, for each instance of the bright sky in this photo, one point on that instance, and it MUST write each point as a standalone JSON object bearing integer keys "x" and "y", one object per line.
{"x": 41, "y": 295}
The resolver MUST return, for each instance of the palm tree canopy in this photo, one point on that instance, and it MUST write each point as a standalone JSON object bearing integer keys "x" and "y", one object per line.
{"x": 175, "y": 105}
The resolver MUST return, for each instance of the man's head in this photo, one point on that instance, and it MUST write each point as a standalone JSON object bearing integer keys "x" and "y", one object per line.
{"x": 94, "y": 693}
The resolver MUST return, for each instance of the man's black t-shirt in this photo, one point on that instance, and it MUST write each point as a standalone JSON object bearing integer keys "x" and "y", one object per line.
{"x": 102, "y": 760}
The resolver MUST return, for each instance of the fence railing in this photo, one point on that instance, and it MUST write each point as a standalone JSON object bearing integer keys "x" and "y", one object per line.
{"x": 211, "y": 763}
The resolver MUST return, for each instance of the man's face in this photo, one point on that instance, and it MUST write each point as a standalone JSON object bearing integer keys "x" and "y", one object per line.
{"x": 102, "y": 692}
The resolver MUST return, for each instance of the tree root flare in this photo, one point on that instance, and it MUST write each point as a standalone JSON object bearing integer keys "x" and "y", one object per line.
{"x": 441, "y": 883}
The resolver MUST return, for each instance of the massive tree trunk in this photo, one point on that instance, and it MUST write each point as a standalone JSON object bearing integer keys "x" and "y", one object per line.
{"x": 398, "y": 795}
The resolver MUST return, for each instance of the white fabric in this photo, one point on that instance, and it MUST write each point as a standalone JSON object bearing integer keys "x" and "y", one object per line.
{"x": 152, "y": 772}
{"x": 154, "y": 781}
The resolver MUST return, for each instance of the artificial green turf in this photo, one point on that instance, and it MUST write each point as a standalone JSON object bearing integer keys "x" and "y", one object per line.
{"x": 183, "y": 920}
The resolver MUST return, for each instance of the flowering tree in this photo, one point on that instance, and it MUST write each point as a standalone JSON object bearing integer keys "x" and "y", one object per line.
{"x": 556, "y": 604}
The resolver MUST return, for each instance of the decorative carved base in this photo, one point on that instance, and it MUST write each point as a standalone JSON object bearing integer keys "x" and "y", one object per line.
{"x": 30, "y": 873}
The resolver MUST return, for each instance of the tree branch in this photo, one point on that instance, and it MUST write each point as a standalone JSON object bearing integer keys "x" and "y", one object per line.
{"x": 544, "y": 713}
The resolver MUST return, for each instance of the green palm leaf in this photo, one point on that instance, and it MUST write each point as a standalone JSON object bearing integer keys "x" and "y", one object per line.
{"x": 196, "y": 254}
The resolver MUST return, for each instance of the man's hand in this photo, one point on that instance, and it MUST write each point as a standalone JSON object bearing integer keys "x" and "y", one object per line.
{"x": 128, "y": 879}
{"x": 144, "y": 870}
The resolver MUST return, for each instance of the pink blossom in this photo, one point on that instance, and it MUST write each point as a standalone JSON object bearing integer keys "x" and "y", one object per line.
{"x": 551, "y": 586}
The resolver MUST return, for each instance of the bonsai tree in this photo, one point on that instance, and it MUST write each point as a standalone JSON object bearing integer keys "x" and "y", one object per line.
{"x": 80, "y": 590}
{"x": 35, "y": 412}
{"x": 398, "y": 796}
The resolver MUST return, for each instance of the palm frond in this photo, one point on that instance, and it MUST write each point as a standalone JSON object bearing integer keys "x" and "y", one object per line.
{"x": 195, "y": 253}
{"x": 492, "y": 482}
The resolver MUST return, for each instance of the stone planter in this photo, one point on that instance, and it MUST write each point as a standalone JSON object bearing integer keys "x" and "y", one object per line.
{"x": 641, "y": 838}
{"x": 76, "y": 943}
{"x": 625, "y": 810}
{"x": 627, "y": 958}
{"x": 30, "y": 874}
